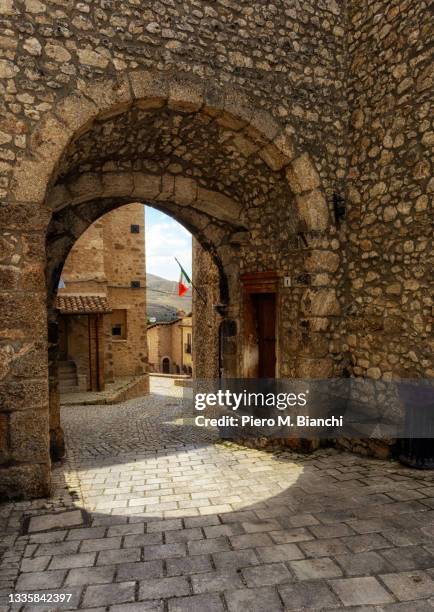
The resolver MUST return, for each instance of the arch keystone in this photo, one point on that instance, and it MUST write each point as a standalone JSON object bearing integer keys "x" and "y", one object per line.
{"x": 117, "y": 184}
{"x": 148, "y": 87}
{"x": 185, "y": 190}
{"x": 85, "y": 187}
{"x": 111, "y": 96}
{"x": 146, "y": 185}
{"x": 185, "y": 97}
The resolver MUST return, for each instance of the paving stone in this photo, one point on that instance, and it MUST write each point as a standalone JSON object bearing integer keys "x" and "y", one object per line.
{"x": 129, "y": 529}
{"x": 279, "y": 552}
{"x": 215, "y": 581}
{"x": 40, "y": 580}
{"x": 37, "y": 564}
{"x": 366, "y": 542}
{"x": 110, "y": 557}
{"x": 409, "y": 558}
{"x": 86, "y": 533}
{"x": 184, "y": 535}
{"x": 331, "y": 531}
{"x": 250, "y": 540}
{"x": 298, "y": 597}
{"x": 109, "y": 594}
{"x": 290, "y": 535}
{"x": 266, "y": 575}
{"x": 57, "y": 548}
{"x": 409, "y": 585}
{"x": 315, "y": 569}
{"x": 323, "y": 548}
{"x": 363, "y": 564}
{"x": 235, "y": 559}
{"x": 262, "y": 599}
{"x": 70, "y": 561}
{"x": 60, "y": 520}
{"x": 210, "y": 545}
{"x": 164, "y": 551}
{"x": 197, "y": 603}
{"x": 90, "y": 575}
{"x": 188, "y": 565}
{"x": 140, "y": 571}
{"x": 100, "y": 544}
{"x": 143, "y": 606}
{"x": 163, "y": 587}
{"x": 167, "y": 525}
{"x": 360, "y": 591}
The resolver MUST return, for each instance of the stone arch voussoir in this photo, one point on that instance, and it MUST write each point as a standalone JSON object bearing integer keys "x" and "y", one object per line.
{"x": 256, "y": 131}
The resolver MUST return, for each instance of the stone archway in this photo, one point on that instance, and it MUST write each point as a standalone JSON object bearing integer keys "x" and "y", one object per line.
{"x": 250, "y": 195}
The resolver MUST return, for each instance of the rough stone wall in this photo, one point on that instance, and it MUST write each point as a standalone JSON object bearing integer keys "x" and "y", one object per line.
{"x": 124, "y": 262}
{"x": 206, "y": 320}
{"x": 233, "y": 117}
{"x": 390, "y": 189}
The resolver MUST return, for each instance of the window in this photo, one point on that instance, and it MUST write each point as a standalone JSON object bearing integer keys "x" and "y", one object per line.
{"x": 135, "y": 284}
{"x": 187, "y": 346}
{"x": 135, "y": 229}
{"x": 119, "y": 324}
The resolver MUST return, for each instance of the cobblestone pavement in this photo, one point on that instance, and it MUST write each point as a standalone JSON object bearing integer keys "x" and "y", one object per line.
{"x": 175, "y": 522}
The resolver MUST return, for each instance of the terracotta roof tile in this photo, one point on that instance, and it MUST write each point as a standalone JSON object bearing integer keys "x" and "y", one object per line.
{"x": 82, "y": 304}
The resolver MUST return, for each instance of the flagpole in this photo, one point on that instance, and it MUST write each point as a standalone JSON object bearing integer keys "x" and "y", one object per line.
{"x": 192, "y": 284}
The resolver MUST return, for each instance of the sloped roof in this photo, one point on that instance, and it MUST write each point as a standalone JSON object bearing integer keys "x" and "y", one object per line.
{"x": 69, "y": 303}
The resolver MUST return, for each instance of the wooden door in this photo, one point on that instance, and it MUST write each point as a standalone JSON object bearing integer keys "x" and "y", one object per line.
{"x": 265, "y": 315}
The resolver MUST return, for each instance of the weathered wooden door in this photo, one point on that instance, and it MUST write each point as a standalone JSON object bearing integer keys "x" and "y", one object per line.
{"x": 265, "y": 315}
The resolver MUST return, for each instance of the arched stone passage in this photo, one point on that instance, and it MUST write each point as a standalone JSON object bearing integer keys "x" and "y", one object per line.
{"x": 211, "y": 158}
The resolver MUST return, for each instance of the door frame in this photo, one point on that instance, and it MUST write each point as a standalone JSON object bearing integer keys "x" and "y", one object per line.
{"x": 251, "y": 283}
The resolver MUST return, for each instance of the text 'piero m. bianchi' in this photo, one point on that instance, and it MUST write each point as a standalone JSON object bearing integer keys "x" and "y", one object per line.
{"x": 246, "y": 401}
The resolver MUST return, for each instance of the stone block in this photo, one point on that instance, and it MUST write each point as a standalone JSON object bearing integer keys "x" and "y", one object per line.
{"x": 302, "y": 175}
{"x": 86, "y": 186}
{"x": 314, "y": 368}
{"x": 149, "y": 86}
{"x": 266, "y": 575}
{"x": 111, "y": 96}
{"x": 117, "y": 184}
{"x": 262, "y": 599}
{"x": 30, "y": 180}
{"x": 45, "y": 522}
{"x": 316, "y": 596}
{"x": 164, "y": 587}
{"x": 271, "y": 155}
{"x": 318, "y": 261}
{"x": 315, "y": 569}
{"x": 77, "y": 112}
{"x": 146, "y": 185}
{"x": 184, "y": 96}
{"x": 28, "y": 433}
{"x": 216, "y": 581}
{"x": 217, "y": 205}
{"x": 320, "y": 303}
{"x": 361, "y": 591}
{"x": 313, "y": 210}
{"x": 109, "y": 594}
{"x": 196, "y": 603}
{"x": 185, "y": 190}
{"x": 23, "y": 395}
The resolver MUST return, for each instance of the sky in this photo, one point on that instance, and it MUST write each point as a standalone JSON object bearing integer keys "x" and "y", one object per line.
{"x": 166, "y": 239}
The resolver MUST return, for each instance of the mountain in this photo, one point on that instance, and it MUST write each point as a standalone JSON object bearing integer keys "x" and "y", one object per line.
{"x": 163, "y": 300}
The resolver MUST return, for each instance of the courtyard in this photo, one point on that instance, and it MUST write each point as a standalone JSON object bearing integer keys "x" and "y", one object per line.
{"x": 150, "y": 513}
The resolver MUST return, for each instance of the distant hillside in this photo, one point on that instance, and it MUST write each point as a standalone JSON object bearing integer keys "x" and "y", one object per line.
{"x": 163, "y": 300}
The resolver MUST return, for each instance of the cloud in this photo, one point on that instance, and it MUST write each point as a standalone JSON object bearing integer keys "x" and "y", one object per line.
{"x": 166, "y": 239}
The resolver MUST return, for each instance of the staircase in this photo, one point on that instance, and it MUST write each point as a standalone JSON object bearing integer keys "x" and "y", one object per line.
{"x": 68, "y": 382}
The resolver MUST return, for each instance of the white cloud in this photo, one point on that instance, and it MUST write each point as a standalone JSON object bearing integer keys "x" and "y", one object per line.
{"x": 165, "y": 240}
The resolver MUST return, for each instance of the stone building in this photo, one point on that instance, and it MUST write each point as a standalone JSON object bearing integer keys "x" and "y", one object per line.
{"x": 170, "y": 346}
{"x": 102, "y": 303}
{"x": 293, "y": 139}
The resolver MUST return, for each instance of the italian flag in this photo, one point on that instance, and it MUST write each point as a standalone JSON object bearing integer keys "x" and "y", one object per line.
{"x": 184, "y": 282}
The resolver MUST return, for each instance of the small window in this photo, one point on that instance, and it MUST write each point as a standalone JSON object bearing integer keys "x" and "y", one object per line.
{"x": 135, "y": 229}
{"x": 119, "y": 324}
{"x": 135, "y": 284}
